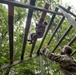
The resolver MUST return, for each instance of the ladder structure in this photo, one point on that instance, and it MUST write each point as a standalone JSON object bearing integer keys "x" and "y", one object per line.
{"x": 65, "y": 13}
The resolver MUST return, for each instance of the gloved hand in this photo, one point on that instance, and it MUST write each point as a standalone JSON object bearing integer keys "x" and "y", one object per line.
{"x": 46, "y": 52}
{"x": 42, "y": 51}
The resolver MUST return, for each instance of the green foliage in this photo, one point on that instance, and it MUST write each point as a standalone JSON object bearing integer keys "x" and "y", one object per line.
{"x": 32, "y": 66}
{"x": 3, "y": 20}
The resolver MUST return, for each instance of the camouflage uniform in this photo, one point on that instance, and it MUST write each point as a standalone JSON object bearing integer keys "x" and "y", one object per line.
{"x": 67, "y": 64}
{"x": 40, "y": 30}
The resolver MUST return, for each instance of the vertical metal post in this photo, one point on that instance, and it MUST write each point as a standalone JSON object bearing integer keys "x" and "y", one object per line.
{"x": 10, "y": 27}
{"x": 41, "y": 65}
{"x": 29, "y": 17}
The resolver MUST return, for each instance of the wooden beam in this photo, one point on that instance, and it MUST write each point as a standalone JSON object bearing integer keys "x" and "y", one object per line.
{"x": 28, "y": 22}
{"x": 40, "y": 21}
{"x": 44, "y": 13}
{"x": 52, "y": 19}
{"x": 10, "y": 25}
{"x": 23, "y": 5}
{"x": 16, "y": 62}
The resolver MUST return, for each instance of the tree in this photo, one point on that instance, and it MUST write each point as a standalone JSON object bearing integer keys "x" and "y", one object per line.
{"x": 32, "y": 66}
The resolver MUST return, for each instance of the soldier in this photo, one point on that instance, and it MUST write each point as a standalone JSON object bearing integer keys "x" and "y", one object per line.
{"x": 66, "y": 62}
{"x": 40, "y": 29}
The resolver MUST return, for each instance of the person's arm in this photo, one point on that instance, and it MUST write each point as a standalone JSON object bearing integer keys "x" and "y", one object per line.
{"x": 64, "y": 60}
{"x": 52, "y": 56}
{"x": 38, "y": 24}
{"x": 39, "y": 30}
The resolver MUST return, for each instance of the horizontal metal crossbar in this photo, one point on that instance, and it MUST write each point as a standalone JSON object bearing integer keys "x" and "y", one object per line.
{"x": 23, "y": 5}
{"x": 16, "y": 62}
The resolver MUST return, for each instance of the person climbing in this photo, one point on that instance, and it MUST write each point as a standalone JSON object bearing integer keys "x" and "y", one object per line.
{"x": 40, "y": 29}
{"x": 65, "y": 60}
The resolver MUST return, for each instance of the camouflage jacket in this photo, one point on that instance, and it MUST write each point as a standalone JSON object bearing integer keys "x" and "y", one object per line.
{"x": 40, "y": 31}
{"x": 67, "y": 64}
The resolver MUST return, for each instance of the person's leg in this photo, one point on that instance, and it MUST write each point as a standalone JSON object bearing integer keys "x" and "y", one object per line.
{"x": 39, "y": 35}
{"x": 34, "y": 37}
{"x": 30, "y": 40}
